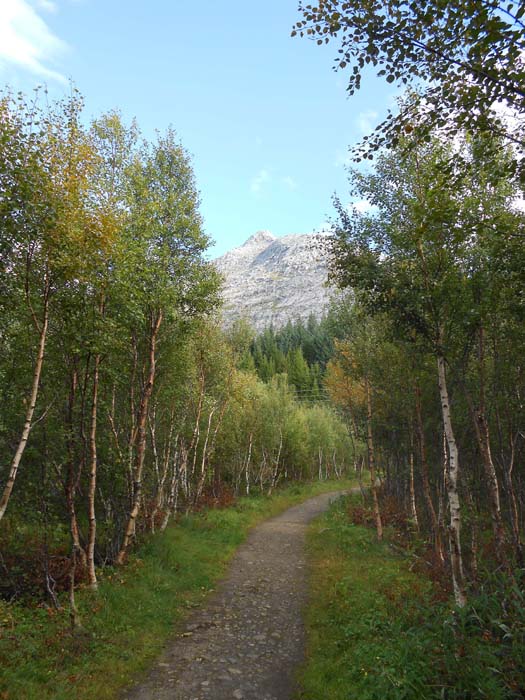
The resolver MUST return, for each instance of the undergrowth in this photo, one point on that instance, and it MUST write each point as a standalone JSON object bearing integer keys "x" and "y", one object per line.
{"x": 377, "y": 631}
{"x": 137, "y": 607}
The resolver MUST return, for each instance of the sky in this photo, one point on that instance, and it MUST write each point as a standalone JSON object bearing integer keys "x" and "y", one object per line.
{"x": 265, "y": 118}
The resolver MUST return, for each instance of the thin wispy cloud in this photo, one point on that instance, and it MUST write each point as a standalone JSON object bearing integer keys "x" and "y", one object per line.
{"x": 26, "y": 41}
{"x": 259, "y": 182}
{"x": 366, "y": 121}
{"x": 289, "y": 183}
{"x": 47, "y": 5}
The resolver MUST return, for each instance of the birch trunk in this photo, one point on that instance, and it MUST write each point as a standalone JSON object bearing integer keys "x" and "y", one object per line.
{"x": 514, "y": 511}
{"x": 173, "y": 495}
{"x": 275, "y": 473}
{"x": 132, "y": 439}
{"x": 92, "y": 484}
{"x": 74, "y": 617}
{"x": 72, "y": 479}
{"x": 424, "y": 478}
{"x": 247, "y": 464}
{"x": 371, "y": 460}
{"x": 141, "y": 440}
{"x": 166, "y": 459}
{"x": 28, "y": 423}
{"x": 474, "y": 537}
{"x": 196, "y": 431}
{"x": 451, "y": 484}
{"x": 202, "y": 477}
{"x": 483, "y": 437}
{"x": 413, "y": 508}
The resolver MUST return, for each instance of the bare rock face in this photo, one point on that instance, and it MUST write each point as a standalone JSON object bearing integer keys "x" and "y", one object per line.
{"x": 270, "y": 280}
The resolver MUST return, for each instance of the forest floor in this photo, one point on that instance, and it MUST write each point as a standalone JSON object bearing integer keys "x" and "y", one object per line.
{"x": 381, "y": 622}
{"x": 248, "y": 641}
{"x": 138, "y": 608}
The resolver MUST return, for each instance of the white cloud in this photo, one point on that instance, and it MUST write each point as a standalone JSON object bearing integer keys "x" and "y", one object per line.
{"x": 259, "y": 181}
{"x": 48, "y": 5}
{"x": 366, "y": 121}
{"x": 264, "y": 180}
{"x": 289, "y": 183}
{"x": 26, "y": 40}
{"x": 362, "y": 206}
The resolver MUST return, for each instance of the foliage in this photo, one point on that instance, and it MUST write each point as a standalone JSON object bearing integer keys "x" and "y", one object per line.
{"x": 432, "y": 267}
{"x": 123, "y": 401}
{"x": 375, "y": 630}
{"x": 298, "y": 350}
{"x": 134, "y": 612}
{"x": 463, "y": 57}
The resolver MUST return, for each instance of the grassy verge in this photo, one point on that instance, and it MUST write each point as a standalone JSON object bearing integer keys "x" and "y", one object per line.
{"x": 136, "y": 609}
{"x": 376, "y": 632}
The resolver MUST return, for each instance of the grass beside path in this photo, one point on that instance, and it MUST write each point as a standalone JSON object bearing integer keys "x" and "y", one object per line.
{"x": 359, "y": 595}
{"x": 135, "y": 610}
{"x": 376, "y": 632}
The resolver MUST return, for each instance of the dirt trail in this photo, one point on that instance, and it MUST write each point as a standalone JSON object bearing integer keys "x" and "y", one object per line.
{"x": 247, "y": 643}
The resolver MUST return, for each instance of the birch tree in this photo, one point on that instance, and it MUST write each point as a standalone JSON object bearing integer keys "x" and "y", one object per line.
{"x": 413, "y": 260}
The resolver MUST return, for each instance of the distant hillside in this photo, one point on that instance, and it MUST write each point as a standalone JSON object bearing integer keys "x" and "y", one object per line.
{"x": 270, "y": 280}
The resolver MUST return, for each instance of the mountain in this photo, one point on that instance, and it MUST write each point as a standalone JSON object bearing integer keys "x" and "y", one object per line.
{"x": 270, "y": 280}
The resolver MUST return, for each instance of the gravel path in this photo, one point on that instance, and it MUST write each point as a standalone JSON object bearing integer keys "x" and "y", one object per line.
{"x": 247, "y": 643}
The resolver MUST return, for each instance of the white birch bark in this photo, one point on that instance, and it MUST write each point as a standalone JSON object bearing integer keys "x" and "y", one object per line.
{"x": 31, "y": 404}
{"x": 451, "y": 484}
{"x": 371, "y": 460}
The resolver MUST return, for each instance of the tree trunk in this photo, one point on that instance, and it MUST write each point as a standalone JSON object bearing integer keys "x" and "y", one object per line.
{"x": 74, "y": 617}
{"x": 141, "y": 440}
{"x": 514, "y": 512}
{"x": 166, "y": 459}
{"x": 247, "y": 464}
{"x": 28, "y": 423}
{"x": 132, "y": 439}
{"x": 92, "y": 483}
{"x": 371, "y": 460}
{"x": 202, "y": 477}
{"x": 275, "y": 473}
{"x": 71, "y": 484}
{"x": 451, "y": 483}
{"x": 413, "y": 509}
{"x": 483, "y": 437}
{"x": 474, "y": 536}
{"x": 424, "y": 477}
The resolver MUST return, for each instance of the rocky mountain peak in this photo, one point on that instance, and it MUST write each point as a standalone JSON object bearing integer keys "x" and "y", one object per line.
{"x": 270, "y": 280}
{"x": 258, "y": 238}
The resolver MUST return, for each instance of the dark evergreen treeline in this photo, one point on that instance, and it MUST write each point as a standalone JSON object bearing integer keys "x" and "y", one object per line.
{"x": 300, "y": 350}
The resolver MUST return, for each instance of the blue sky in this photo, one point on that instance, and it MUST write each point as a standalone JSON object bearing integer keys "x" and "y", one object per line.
{"x": 265, "y": 117}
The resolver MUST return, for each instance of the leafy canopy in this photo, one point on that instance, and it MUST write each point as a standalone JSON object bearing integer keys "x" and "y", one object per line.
{"x": 463, "y": 56}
